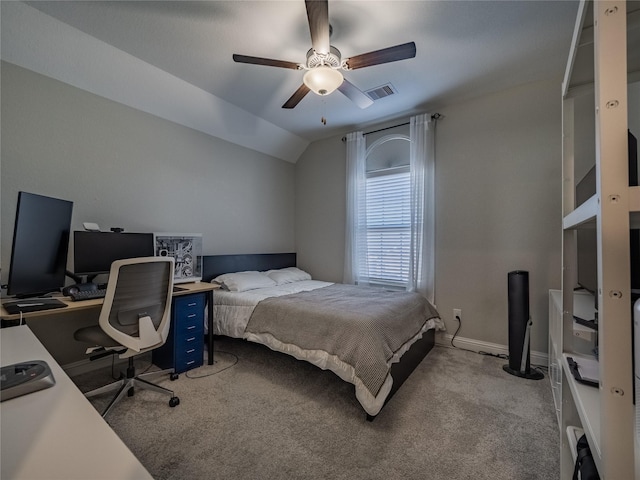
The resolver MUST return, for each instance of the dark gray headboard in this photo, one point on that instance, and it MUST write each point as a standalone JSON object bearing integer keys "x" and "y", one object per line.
{"x": 214, "y": 265}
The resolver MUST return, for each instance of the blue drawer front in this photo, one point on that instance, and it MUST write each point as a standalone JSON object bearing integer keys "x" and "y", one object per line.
{"x": 187, "y": 364}
{"x": 189, "y": 355}
{"x": 188, "y": 315}
{"x": 189, "y": 341}
{"x": 188, "y": 326}
{"x": 184, "y": 349}
{"x": 188, "y": 305}
{"x": 188, "y": 323}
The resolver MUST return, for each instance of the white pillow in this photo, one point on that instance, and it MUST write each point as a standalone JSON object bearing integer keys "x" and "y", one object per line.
{"x": 288, "y": 275}
{"x": 243, "y": 281}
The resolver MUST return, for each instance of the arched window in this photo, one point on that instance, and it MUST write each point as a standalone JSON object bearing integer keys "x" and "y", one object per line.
{"x": 390, "y": 227}
{"x": 388, "y": 211}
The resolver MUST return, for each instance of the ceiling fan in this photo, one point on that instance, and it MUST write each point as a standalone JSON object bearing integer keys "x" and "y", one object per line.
{"x": 324, "y": 62}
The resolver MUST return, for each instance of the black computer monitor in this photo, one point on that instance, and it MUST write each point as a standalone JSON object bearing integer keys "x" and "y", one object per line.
{"x": 40, "y": 245}
{"x": 94, "y": 252}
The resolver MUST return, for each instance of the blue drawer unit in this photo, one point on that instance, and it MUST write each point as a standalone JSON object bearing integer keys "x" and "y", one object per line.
{"x": 184, "y": 348}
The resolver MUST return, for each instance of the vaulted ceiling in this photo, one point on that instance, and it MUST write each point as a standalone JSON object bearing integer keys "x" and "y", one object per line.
{"x": 135, "y": 52}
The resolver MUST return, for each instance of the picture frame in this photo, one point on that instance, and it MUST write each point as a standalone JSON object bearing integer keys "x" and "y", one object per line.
{"x": 186, "y": 250}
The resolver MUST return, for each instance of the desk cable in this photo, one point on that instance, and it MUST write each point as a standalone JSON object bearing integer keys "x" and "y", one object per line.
{"x": 236, "y": 359}
{"x": 489, "y": 354}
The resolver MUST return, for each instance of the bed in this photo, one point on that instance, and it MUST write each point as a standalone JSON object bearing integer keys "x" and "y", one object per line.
{"x": 372, "y": 338}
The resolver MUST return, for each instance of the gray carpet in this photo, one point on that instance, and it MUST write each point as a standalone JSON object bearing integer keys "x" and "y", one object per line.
{"x": 269, "y": 416}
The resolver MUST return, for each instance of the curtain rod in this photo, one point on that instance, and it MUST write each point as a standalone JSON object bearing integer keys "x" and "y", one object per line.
{"x": 435, "y": 116}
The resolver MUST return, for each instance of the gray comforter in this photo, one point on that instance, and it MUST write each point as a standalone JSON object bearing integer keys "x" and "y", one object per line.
{"x": 362, "y": 326}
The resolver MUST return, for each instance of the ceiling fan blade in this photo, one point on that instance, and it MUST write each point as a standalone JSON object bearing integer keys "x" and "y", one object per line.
{"x": 265, "y": 61}
{"x": 354, "y": 94}
{"x": 386, "y": 55}
{"x": 296, "y": 97}
{"x": 318, "y": 16}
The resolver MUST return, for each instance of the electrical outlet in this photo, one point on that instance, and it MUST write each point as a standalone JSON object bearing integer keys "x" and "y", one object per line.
{"x": 457, "y": 312}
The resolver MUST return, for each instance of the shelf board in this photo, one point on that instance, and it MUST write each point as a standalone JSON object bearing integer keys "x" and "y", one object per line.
{"x": 586, "y": 213}
{"x": 581, "y": 215}
{"x": 587, "y": 402}
{"x": 584, "y": 333}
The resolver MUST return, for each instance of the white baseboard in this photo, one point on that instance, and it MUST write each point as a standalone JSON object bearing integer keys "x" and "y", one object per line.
{"x": 444, "y": 339}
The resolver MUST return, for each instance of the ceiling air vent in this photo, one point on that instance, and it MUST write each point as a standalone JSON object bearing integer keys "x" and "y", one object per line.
{"x": 381, "y": 92}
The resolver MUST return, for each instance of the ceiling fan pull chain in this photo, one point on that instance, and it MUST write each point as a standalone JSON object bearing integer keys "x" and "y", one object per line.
{"x": 323, "y": 119}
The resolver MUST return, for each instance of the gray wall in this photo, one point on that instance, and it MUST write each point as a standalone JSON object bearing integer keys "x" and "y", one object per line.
{"x": 498, "y": 208}
{"x": 125, "y": 168}
{"x": 321, "y": 209}
{"x": 498, "y": 191}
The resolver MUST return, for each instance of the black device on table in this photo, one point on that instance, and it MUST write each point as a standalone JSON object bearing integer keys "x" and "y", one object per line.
{"x": 38, "y": 252}
{"x": 25, "y": 377}
{"x": 32, "y": 305}
{"x": 40, "y": 244}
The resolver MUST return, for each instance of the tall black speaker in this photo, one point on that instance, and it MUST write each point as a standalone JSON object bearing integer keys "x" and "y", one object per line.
{"x": 520, "y": 327}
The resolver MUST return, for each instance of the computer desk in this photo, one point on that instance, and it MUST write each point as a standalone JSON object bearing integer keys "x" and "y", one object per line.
{"x": 187, "y": 289}
{"x": 56, "y": 433}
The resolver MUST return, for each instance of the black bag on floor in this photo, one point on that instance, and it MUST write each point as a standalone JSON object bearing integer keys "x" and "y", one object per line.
{"x": 584, "y": 462}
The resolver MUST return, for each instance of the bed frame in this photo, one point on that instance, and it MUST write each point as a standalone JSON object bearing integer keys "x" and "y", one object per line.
{"x": 214, "y": 265}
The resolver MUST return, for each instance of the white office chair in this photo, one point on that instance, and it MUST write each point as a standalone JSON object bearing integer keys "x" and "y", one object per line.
{"x": 135, "y": 318}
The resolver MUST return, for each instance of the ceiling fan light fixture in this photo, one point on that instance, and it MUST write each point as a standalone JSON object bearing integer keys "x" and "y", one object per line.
{"x": 322, "y": 80}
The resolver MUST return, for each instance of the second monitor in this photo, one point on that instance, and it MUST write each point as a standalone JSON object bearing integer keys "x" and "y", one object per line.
{"x": 94, "y": 252}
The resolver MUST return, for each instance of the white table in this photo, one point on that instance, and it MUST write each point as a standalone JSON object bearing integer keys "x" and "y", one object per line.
{"x": 56, "y": 433}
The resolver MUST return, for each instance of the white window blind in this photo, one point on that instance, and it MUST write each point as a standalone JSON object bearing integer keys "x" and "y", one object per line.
{"x": 388, "y": 226}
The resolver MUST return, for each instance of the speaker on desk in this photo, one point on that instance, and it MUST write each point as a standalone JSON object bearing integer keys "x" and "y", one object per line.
{"x": 520, "y": 327}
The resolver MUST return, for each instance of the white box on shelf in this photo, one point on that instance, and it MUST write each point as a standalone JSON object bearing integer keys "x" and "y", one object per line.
{"x": 186, "y": 250}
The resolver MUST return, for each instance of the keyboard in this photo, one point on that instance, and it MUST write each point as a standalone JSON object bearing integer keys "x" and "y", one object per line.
{"x": 88, "y": 294}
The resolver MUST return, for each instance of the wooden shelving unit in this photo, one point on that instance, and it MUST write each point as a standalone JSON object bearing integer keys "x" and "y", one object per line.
{"x": 599, "y": 67}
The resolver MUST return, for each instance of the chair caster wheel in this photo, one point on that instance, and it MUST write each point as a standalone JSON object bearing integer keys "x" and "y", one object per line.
{"x": 174, "y": 401}
{"x": 174, "y": 376}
